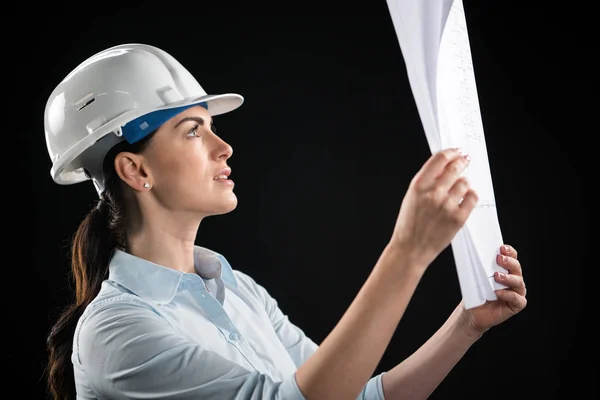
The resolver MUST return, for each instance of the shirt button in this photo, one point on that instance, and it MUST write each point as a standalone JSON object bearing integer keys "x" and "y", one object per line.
{"x": 203, "y": 295}
{"x": 233, "y": 336}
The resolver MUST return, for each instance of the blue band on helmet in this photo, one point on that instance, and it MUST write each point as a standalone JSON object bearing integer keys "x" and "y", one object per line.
{"x": 142, "y": 126}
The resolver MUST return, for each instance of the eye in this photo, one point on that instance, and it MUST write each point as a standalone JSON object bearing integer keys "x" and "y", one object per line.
{"x": 194, "y": 131}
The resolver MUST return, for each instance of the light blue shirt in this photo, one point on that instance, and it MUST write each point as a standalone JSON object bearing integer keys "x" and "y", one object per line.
{"x": 157, "y": 333}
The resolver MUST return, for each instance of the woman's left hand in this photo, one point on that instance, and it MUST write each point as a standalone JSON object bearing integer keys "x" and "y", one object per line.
{"x": 511, "y": 300}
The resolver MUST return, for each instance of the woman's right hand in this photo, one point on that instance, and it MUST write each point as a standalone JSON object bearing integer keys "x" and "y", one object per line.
{"x": 436, "y": 205}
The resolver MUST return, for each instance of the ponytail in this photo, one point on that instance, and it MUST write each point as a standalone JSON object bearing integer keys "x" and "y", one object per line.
{"x": 94, "y": 243}
{"x": 92, "y": 247}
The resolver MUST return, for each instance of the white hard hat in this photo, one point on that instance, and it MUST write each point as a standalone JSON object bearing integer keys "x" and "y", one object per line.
{"x": 121, "y": 93}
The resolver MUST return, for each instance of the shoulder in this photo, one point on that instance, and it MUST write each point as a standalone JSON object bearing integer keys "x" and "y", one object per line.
{"x": 109, "y": 311}
{"x": 255, "y": 292}
{"x": 247, "y": 284}
{"x": 243, "y": 279}
{"x": 112, "y": 297}
{"x": 106, "y": 312}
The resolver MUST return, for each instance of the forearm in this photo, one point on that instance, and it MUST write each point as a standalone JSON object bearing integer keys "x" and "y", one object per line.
{"x": 349, "y": 355}
{"x": 421, "y": 373}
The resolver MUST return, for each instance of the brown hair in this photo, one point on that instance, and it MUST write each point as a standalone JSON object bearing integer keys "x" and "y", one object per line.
{"x": 93, "y": 245}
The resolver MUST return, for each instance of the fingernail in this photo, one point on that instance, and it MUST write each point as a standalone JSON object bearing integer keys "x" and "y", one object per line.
{"x": 504, "y": 259}
{"x": 501, "y": 276}
{"x": 506, "y": 249}
{"x": 467, "y": 157}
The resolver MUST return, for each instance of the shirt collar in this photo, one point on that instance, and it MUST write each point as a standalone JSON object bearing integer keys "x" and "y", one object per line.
{"x": 156, "y": 282}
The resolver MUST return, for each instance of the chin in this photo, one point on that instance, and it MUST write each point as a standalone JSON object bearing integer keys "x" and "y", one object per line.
{"x": 226, "y": 206}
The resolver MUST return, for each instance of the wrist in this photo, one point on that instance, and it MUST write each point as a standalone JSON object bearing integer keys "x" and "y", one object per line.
{"x": 464, "y": 325}
{"x": 411, "y": 259}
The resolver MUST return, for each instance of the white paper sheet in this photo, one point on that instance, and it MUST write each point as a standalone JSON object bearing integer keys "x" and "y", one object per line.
{"x": 434, "y": 41}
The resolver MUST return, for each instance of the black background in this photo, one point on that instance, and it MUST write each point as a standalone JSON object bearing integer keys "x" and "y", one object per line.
{"x": 324, "y": 148}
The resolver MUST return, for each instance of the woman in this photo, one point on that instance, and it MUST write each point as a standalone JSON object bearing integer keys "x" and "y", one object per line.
{"x": 158, "y": 317}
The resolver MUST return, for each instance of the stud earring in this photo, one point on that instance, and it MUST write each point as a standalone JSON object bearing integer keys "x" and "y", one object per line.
{"x": 146, "y": 185}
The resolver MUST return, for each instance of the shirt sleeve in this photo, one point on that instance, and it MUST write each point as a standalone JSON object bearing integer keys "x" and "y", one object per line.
{"x": 299, "y": 346}
{"x": 127, "y": 351}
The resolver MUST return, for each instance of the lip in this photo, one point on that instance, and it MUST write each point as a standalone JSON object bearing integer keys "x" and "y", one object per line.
{"x": 225, "y": 171}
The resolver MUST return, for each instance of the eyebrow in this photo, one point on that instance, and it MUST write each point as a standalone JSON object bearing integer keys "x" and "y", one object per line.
{"x": 199, "y": 120}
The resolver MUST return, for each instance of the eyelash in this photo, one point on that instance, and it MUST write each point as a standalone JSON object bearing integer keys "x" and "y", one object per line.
{"x": 195, "y": 129}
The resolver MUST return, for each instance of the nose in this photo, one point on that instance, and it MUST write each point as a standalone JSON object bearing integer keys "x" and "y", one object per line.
{"x": 222, "y": 149}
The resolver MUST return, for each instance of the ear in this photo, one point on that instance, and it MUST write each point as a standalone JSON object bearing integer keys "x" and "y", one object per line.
{"x": 133, "y": 171}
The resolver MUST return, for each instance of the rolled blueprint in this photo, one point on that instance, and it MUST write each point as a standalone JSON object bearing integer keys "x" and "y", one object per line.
{"x": 434, "y": 41}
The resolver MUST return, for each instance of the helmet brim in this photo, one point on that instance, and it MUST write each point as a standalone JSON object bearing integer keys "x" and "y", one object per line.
{"x": 67, "y": 170}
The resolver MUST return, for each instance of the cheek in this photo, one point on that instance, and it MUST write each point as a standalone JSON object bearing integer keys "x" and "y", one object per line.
{"x": 184, "y": 169}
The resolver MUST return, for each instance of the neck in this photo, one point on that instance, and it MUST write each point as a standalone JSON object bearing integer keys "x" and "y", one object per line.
{"x": 168, "y": 242}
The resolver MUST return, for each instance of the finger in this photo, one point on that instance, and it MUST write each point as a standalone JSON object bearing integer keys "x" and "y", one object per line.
{"x": 512, "y": 265}
{"x": 513, "y": 282}
{"x": 515, "y": 301}
{"x": 452, "y": 172}
{"x": 467, "y": 205}
{"x": 457, "y": 191}
{"x": 508, "y": 250}
{"x": 436, "y": 164}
